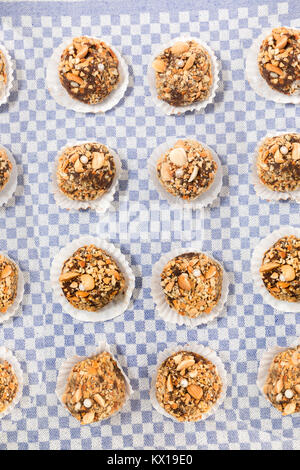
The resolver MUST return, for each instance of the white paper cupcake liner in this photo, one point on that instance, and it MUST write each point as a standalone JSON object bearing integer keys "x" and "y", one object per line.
{"x": 62, "y": 97}
{"x": 100, "y": 204}
{"x": 117, "y": 306}
{"x": 7, "y": 355}
{"x": 11, "y": 186}
{"x": 169, "y": 314}
{"x": 68, "y": 364}
{"x": 256, "y": 261}
{"x": 9, "y": 73}
{"x": 14, "y": 307}
{"x": 263, "y": 191}
{"x": 257, "y": 82}
{"x": 265, "y": 364}
{"x": 166, "y": 107}
{"x": 203, "y": 200}
{"x": 204, "y": 351}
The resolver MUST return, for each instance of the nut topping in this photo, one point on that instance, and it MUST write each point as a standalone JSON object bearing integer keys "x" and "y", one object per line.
{"x": 195, "y": 391}
{"x": 288, "y": 272}
{"x": 178, "y": 156}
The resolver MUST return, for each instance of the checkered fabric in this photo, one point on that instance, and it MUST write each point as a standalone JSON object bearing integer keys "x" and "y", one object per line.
{"x": 33, "y": 228}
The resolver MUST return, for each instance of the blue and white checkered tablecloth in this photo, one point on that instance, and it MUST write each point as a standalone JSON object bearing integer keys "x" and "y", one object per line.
{"x": 33, "y": 228}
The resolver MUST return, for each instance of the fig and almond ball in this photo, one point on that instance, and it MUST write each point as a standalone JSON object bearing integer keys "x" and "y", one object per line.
{"x": 279, "y": 60}
{"x": 187, "y": 385}
{"x": 282, "y": 387}
{"x": 183, "y": 74}
{"x": 186, "y": 170}
{"x": 192, "y": 284}
{"x": 88, "y": 70}
{"x": 85, "y": 172}
{"x": 8, "y": 385}
{"x": 91, "y": 279}
{"x": 3, "y": 73}
{"x": 278, "y": 162}
{"x": 5, "y": 169}
{"x": 280, "y": 269}
{"x": 8, "y": 283}
{"x": 95, "y": 390}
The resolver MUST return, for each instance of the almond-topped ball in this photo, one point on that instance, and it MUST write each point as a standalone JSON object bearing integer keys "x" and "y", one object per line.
{"x": 278, "y": 162}
{"x": 3, "y": 74}
{"x": 88, "y": 70}
{"x": 280, "y": 269}
{"x": 187, "y": 169}
{"x": 85, "y": 172}
{"x": 91, "y": 279}
{"x": 282, "y": 387}
{"x": 279, "y": 60}
{"x": 5, "y": 169}
{"x": 96, "y": 389}
{"x": 187, "y": 385}
{"x": 192, "y": 284}
{"x": 8, "y": 283}
{"x": 8, "y": 385}
{"x": 183, "y": 74}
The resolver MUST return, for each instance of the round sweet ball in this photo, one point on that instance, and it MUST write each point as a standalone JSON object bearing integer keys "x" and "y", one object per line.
{"x": 278, "y": 162}
{"x": 96, "y": 389}
{"x": 8, "y": 283}
{"x": 280, "y": 269}
{"x": 187, "y": 170}
{"x": 90, "y": 279}
{"x": 183, "y": 74}
{"x": 279, "y": 60}
{"x": 187, "y": 386}
{"x": 5, "y": 169}
{"x": 282, "y": 387}
{"x": 192, "y": 284}
{"x": 8, "y": 385}
{"x": 85, "y": 172}
{"x": 88, "y": 70}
